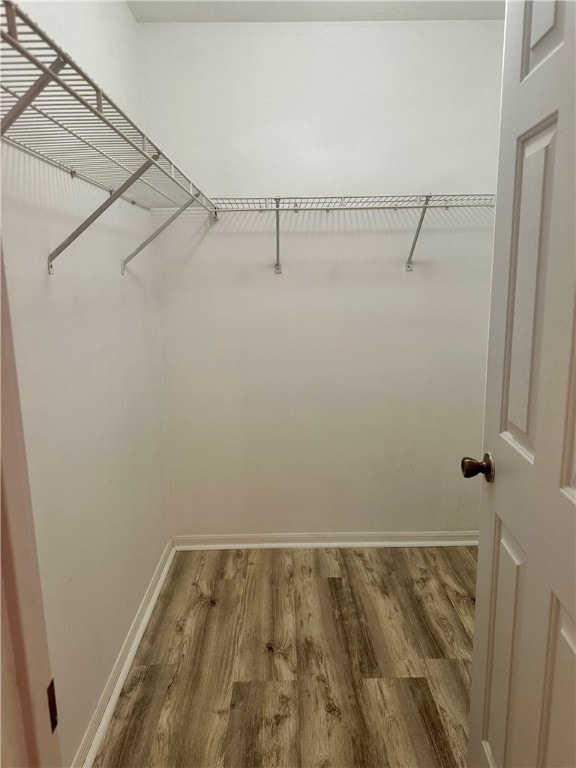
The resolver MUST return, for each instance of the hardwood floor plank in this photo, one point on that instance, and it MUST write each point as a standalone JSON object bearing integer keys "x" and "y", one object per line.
{"x": 130, "y": 734}
{"x": 429, "y": 610}
{"x": 263, "y": 727}
{"x": 408, "y": 728}
{"x": 353, "y": 626}
{"x": 456, "y": 570}
{"x": 194, "y": 718}
{"x": 472, "y": 551}
{"x": 334, "y": 728}
{"x": 398, "y": 644}
{"x": 449, "y": 681}
{"x": 321, "y": 695}
{"x": 450, "y": 591}
{"x": 267, "y": 645}
{"x": 223, "y": 564}
{"x": 317, "y": 563}
{"x": 170, "y": 610}
{"x": 455, "y": 566}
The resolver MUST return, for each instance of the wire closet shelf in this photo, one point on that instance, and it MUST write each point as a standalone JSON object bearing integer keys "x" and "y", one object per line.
{"x": 52, "y": 110}
{"x": 350, "y": 203}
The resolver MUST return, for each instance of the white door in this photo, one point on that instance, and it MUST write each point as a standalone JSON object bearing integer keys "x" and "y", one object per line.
{"x": 523, "y": 693}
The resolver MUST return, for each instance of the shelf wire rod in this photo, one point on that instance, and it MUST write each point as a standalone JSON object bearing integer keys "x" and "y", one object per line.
{"x": 22, "y": 50}
{"x": 408, "y": 267}
{"x": 27, "y": 98}
{"x": 98, "y": 212}
{"x": 356, "y": 208}
{"x": 155, "y": 234}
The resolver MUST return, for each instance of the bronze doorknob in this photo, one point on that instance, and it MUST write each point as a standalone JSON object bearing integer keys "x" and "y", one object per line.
{"x": 472, "y": 467}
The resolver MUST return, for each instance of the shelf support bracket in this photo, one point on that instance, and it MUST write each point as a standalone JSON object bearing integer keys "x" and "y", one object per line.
{"x": 11, "y": 20}
{"x": 155, "y": 234}
{"x": 99, "y": 211}
{"x": 35, "y": 89}
{"x": 409, "y": 267}
{"x": 277, "y": 266}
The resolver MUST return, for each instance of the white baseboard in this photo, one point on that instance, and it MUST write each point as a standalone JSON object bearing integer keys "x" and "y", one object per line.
{"x": 100, "y": 720}
{"x": 308, "y": 540}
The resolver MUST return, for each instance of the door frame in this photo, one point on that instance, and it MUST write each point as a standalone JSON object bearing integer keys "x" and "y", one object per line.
{"x": 21, "y": 586}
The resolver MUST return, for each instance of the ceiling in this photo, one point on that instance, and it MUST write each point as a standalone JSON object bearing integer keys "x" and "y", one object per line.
{"x": 316, "y": 10}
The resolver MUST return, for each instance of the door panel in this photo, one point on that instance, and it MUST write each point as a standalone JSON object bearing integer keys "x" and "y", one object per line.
{"x": 543, "y": 32}
{"x": 532, "y": 206}
{"x": 508, "y": 567}
{"x": 568, "y": 481}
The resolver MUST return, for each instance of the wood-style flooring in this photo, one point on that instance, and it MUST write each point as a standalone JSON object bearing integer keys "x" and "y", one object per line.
{"x": 316, "y": 658}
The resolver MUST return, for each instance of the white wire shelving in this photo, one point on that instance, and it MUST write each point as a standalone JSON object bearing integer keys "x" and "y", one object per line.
{"x": 51, "y": 109}
{"x": 349, "y": 203}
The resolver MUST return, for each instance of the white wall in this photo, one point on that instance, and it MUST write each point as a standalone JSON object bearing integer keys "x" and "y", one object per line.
{"x": 341, "y": 395}
{"x": 87, "y": 356}
{"x": 343, "y": 108}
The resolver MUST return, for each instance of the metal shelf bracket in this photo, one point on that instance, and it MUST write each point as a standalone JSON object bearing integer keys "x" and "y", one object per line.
{"x": 155, "y": 234}
{"x": 277, "y": 266}
{"x": 98, "y": 212}
{"x": 409, "y": 266}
